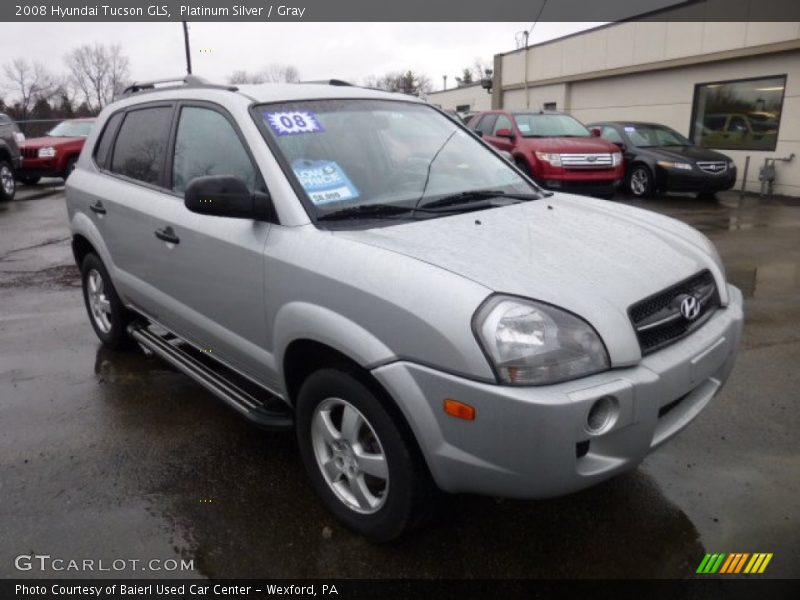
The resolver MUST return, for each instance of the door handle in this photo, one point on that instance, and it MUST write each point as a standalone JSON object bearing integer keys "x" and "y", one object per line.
{"x": 168, "y": 235}
{"x": 98, "y": 208}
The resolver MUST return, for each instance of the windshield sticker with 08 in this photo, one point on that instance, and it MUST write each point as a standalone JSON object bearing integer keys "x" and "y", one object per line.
{"x": 293, "y": 122}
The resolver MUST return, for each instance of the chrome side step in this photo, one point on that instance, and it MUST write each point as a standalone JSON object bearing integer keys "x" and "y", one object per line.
{"x": 268, "y": 413}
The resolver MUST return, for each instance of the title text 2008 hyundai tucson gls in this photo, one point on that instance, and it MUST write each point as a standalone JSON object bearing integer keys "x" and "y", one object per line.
{"x": 366, "y": 270}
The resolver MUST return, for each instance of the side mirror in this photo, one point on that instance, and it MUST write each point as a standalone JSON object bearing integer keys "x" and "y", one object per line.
{"x": 225, "y": 196}
{"x": 504, "y": 132}
{"x": 595, "y": 131}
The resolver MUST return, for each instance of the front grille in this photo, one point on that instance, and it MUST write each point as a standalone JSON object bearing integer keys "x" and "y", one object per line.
{"x": 29, "y": 152}
{"x": 586, "y": 161}
{"x": 713, "y": 167}
{"x": 658, "y": 320}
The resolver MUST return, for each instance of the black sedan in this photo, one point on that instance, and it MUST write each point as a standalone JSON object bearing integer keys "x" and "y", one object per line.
{"x": 658, "y": 158}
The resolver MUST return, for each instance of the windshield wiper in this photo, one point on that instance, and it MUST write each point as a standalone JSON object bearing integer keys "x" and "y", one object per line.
{"x": 365, "y": 210}
{"x": 476, "y": 195}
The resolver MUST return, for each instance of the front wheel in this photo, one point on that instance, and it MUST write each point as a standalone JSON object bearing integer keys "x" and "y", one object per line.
{"x": 640, "y": 182}
{"x": 360, "y": 462}
{"x": 8, "y": 186}
{"x": 108, "y": 315}
{"x": 70, "y": 167}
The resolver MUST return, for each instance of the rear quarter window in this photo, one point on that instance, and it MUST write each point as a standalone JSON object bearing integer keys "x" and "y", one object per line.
{"x": 102, "y": 149}
{"x": 141, "y": 144}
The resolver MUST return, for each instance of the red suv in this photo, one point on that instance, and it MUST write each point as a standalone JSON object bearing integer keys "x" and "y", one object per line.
{"x": 55, "y": 154}
{"x": 555, "y": 149}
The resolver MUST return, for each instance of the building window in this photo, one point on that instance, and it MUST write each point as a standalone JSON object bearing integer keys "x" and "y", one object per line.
{"x": 738, "y": 115}
{"x": 550, "y": 106}
{"x": 462, "y": 108}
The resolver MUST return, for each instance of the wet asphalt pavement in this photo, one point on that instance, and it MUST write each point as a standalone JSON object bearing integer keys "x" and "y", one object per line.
{"x": 116, "y": 456}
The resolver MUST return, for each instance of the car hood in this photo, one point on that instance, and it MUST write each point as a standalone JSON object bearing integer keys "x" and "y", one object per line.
{"x": 569, "y": 145}
{"x": 43, "y": 142}
{"x": 692, "y": 153}
{"x": 591, "y": 257}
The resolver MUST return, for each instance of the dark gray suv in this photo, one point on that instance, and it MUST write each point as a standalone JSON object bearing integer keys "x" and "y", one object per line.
{"x": 9, "y": 157}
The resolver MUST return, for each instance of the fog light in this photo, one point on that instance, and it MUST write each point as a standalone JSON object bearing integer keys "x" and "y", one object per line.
{"x": 602, "y": 415}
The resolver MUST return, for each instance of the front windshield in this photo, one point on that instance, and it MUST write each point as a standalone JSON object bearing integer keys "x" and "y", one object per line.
{"x": 71, "y": 129}
{"x": 359, "y": 153}
{"x": 544, "y": 125}
{"x": 649, "y": 136}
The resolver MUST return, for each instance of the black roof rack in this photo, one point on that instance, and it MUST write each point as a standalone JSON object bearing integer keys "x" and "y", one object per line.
{"x": 185, "y": 81}
{"x": 331, "y": 82}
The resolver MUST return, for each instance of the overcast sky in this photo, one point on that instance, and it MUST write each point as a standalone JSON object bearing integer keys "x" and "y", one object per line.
{"x": 348, "y": 51}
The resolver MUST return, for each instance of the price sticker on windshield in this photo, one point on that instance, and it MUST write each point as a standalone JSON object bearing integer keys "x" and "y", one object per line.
{"x": 293, "y": 122}
{"x": 324, "y": 181}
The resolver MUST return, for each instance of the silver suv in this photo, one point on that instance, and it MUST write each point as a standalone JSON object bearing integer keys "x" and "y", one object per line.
{"x": 360, "y": 267}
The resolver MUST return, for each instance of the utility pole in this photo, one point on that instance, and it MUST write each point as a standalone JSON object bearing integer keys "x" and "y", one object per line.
{"x": 525, "y": 76}
{"x": 186, "y": 45}
{"x": 444, "y": 78}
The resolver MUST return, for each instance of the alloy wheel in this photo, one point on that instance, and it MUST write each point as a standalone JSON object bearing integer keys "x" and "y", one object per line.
{"x": 640, "y": 181}
{"x": 7, "y": 180}
{"x": 349, "y": 455}
{"x": 99, "y": 303}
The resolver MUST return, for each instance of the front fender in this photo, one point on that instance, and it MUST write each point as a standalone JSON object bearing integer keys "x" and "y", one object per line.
{"x": 305, "y": 321}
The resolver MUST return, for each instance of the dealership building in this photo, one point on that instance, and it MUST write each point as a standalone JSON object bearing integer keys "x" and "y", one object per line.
{"x": 731, "y": 86}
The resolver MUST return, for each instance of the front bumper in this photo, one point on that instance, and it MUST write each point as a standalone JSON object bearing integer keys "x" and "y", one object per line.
{"x": 676, "y": 180}
{"x": 40, "y": 167}
{"x": 531, "y": 441}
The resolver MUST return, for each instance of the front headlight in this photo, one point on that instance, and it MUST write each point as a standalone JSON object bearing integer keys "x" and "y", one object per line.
{"x": 731, "y": 164}
{"x": 553, "y": 159}
{"x": 531, "y": 343}
{"x": 48, "y": 152}
{"x": 668, "y": 164}
{"x": 616, "y": 158}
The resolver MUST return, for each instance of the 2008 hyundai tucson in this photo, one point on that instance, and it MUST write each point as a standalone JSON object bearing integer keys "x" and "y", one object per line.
{"x": 359, "y": 266}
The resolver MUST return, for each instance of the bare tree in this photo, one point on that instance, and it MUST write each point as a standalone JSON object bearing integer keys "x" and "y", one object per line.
{"x": 404, "y": 82}
{"x": 276, "y": 73}
{"x": 99, "y": 72}
{"x": 243, "y": 77}
{"x": 31, "y": 81}
{"x": 273, "y": 73}
{"x": 479, "y": 67}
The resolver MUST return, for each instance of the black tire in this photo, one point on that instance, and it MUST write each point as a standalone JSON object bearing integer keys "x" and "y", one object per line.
{"x": 70, "y": 167}
{"x": 115, "y": 336}
{"x": 408, "y": 485}
{"x": 8, "y": 186}
{"x": 640, "y": 181}
{"x": 28, "y": 180}
{"x": 522, "y": 166}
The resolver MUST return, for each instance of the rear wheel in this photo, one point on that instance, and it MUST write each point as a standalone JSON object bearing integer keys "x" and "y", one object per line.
{"x": 359, "y": 460}
{"x": 640, "y": 181}
{"x": 8, "y": 186}
{"x": 108, "y": 315}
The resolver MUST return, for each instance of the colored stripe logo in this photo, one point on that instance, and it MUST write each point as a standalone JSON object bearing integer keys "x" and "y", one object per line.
{"x": 734, "y": 563}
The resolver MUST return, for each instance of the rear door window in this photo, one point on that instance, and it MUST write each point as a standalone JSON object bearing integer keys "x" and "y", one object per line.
{"x": 142, "y": 144}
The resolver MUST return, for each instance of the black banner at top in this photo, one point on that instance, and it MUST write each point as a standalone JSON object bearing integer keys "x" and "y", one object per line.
{"x": 403, "y": 10}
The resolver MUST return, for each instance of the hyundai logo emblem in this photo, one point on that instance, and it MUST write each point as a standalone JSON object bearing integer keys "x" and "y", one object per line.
{"x": 690, "y": 308}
